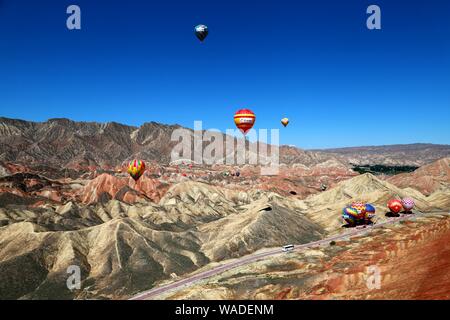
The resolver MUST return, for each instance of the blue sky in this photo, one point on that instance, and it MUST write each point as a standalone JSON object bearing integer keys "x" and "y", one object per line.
{"x": 314, "y": 62}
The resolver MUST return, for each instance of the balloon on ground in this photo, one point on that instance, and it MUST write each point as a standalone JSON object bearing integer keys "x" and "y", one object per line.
{"x": 408, "y": 204}
{"x": 358, "y": 213}
{"x": 370, "y": 211}
{"x": 350, "y": 215}
{"x": 395, "y": 205}
{"x": 360, "y": 207}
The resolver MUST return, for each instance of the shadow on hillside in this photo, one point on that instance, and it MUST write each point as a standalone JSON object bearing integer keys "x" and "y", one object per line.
{"x": 392, "y": 215}
{"x": 361, "y": 224}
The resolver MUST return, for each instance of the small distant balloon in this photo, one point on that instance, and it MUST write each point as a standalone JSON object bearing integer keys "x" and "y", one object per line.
{"x": 136, "y": 168}
{"x": 201, "y": 31}
{"x": 244, "y": 120}
{"x": 285, "y": 122}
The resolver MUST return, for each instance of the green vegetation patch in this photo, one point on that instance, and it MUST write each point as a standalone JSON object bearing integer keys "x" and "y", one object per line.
{"x": 382, "y": 169}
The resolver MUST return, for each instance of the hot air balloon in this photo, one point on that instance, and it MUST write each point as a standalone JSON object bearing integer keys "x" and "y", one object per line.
{"x": 136, "y": 168}
{"x": 285, "y": 121}
{"x": 370, "y": 211}
{"x": 358, "y": 213}
{"x": 350, "y": 215}
{"x": 408, "y": 204}
{"x": 395, "y": 205}
{"x": 201, "y": 31}
{"x": 360, "y": 207}
{"x": 244, "y": 120}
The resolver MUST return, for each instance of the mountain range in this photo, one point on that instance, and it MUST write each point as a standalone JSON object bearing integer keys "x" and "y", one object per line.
{"x": 66, "y": 199}
{"x": 70, "y": 144}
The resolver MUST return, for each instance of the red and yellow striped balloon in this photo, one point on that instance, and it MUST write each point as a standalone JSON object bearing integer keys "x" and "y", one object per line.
{"x": 244, "y": 120}
{"x": 136, "y": 168}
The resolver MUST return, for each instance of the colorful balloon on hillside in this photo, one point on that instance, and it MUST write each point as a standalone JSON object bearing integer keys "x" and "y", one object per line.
{"x": 370, "y": 211}
{"x": 285, "y": 122}
{"x": 350, "y": 216}
{"x": 136, "y": 168}
{"x": 358, "y": 213}
{"x": 201, "y": 32}
{"x": 244, "y": 120}
{"x": 408, "y": 204}
{"x": 395, "y": 205}
{"x": 360, "y": 207}
{"x": 349, "y": 211}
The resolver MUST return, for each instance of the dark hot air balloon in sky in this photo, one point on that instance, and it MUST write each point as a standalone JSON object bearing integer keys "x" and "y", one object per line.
{"x": 201, "y": 32}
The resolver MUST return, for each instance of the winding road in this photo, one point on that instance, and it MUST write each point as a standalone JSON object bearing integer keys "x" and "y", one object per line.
{"x": 146, "y": 295}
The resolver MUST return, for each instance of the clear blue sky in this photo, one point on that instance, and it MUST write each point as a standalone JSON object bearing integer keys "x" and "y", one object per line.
{"x": 314, "y": 62}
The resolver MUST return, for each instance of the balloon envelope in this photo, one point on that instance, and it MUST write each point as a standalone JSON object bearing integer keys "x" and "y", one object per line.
{"x": 136, "y": 168}
{"x": 360, "y": 207}
{"x": 395, "y": 205}
{"x": 350, "y": 215}
{"x": 285, "y": 121}
{"x": 201, "y": 32}
{"x": 348, "y": 211}
{"x": 370, "y": 208}
{"x": 408, "y": 203}
{"x": 370, "y": 211}
{"x": 244, "y": 120}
